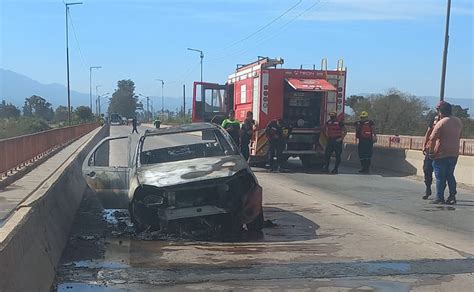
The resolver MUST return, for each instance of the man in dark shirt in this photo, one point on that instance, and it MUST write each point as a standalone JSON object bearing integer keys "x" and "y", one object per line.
{"x": 134, "y": 125}
{"x": 276, "y": 142}
{"x": 428, "y": 162}
{"x": 246, "y": 135}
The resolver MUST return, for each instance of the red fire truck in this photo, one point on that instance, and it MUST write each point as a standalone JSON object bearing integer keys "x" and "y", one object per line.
{"x": 302, "y": 98}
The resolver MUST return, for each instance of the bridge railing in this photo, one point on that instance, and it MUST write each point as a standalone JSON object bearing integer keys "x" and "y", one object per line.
{"x": 17, "y": 151}
{"x": 466, "y": 146}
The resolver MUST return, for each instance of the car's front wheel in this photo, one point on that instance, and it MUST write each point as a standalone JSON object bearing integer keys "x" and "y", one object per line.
{"x": 257, "y": 223}
{"x": 143, "y": 217}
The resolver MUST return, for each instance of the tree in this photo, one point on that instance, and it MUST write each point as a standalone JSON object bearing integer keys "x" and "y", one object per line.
{"x": 83, "y": 114}
{"x": 123, "y": 100}
{"x": 353, "y": 100}
{"x": 8, "y": 110}
{"x": 60, "y": 115}
{"x": 458, "y": 111}
{"x": 394, "y": 112}
{"x": 38, "y": 107}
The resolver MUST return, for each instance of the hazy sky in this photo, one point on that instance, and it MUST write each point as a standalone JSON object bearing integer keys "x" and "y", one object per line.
{"x": 385, "y": 43}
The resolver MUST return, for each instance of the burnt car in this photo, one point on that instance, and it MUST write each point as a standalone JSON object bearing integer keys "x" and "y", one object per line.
{"x": 176, "y": 174}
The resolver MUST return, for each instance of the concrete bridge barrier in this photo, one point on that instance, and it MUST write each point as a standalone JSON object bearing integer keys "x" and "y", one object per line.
{"x": 34, "y": 236}
{"x": 407, "y": 162}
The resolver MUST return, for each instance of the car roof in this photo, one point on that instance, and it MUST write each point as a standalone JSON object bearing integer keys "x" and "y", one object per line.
{"x": 181, "y": 129}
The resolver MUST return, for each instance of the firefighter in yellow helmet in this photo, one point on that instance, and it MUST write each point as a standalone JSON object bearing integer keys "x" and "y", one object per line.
{"x": 365, "y": 133}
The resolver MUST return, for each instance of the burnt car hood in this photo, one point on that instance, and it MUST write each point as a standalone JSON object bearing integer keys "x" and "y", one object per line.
{"x": 186, "y": 171}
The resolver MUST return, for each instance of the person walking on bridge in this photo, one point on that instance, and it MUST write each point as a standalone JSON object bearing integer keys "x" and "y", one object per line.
{"x": 335, "y": 132}
{"x": 365, "y": 132}
{"x": 232, "y": 126}
{"x": 444, "y": 150}
{"x": 134, "y": 125}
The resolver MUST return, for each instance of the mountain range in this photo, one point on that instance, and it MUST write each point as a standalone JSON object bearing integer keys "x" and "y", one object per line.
{"x": 15, "y": 87}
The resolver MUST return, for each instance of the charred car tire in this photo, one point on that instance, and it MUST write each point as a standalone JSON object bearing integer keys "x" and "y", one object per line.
{"x": 143, "y": 218}
{"x": 257, "y": 223}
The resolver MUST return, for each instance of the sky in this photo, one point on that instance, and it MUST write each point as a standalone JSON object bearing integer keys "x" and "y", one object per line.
{"x": 384, "y": 43}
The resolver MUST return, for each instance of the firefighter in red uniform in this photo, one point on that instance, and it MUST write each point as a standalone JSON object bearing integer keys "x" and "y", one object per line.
{"x": 365, "y": 132}
{"x": 335, "y": 132}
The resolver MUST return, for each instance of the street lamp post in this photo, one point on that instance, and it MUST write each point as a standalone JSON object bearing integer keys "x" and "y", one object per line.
{"x": 147, "y": 112}
{"x": 97, "y": 96}
{"x": 67, "y": 62}
{"x": 162, "y": 98}
{"x": 90, "y": 82}
{"x": 201, "y": 55}
{"x": 445, "y": 52}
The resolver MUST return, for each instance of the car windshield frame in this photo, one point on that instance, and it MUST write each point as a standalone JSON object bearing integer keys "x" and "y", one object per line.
{"x": 225, "y": 145}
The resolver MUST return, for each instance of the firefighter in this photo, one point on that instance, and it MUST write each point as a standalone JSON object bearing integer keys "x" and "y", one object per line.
{"x": 276, "y": 142}
{"x": 335, "y": 132}
{"x": 365, "y": 132}
{"x": 232, "y": 126}
{"x": 246, "y": 134}
{"x": 157, "y": 123}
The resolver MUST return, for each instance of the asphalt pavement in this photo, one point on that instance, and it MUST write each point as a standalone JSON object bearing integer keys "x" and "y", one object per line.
{"x": 345, "y": 232}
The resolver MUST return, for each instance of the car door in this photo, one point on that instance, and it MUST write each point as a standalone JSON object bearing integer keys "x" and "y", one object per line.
{"x": 210, "y": 102}
{"x": 106, "y": 170}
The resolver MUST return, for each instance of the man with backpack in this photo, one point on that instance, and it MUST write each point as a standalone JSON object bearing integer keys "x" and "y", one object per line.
{"x": 365, "y": 132}
{"x": 335, "y": 133}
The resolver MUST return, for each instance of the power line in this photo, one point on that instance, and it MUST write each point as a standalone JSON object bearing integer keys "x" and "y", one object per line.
{"x": 77, "y": 41}
{"x": 265, "y": 26}
{"x": 265, "y": 39}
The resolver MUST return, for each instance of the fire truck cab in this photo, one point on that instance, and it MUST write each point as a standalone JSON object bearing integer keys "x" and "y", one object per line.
{"x": 303, "y": 98}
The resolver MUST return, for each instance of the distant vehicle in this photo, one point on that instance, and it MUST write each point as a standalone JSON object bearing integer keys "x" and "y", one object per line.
{"x": 190, "y": 172}
{"x": 303, "y": 98}
{"x": 115, "y": 119}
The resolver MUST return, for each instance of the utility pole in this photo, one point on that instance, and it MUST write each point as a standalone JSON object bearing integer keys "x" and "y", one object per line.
{"x": 162, "y": 98}
{"x": 98, "y": 100}
{"x": 184, "y": 100}
{"x": 67, "y": 62}
{"x": 147, "y": 109}
{"x": 201, "y": 55}
{"x": 90, "y": 82}
{"x": 445, "y": 52}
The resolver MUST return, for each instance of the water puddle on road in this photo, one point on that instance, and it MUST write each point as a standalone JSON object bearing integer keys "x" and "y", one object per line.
{"x": 90, "y": 264}
{"x": 69, "y": 287}
{"x": 396, "y": 267}
{"x": 104, "y": 248}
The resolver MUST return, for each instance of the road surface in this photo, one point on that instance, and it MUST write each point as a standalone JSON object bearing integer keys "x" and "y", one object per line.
{"x": 345, "y": 232}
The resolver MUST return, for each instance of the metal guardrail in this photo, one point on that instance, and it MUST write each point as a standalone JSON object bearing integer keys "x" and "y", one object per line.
{"x": 18, "y": 151}
{"x": 466, "y": 146}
